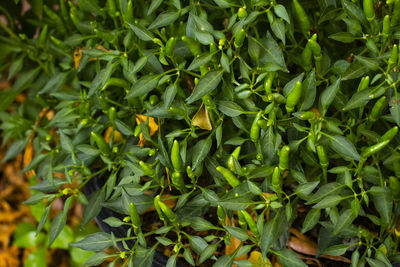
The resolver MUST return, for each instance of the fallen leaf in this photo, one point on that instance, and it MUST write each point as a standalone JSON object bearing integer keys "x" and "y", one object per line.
{"x": 152, "y": 126}
{"x": 201, "y": 119}
{"x": 257, "y": 259}
{"x": 117, "y": 135}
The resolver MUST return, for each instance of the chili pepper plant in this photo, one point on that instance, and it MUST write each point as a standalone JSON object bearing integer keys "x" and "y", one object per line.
{"x": 216, "y": 126}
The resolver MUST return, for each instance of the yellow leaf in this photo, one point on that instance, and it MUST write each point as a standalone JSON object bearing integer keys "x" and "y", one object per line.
{"x": 77, "y": 57}
{"x": 201, "y": 119}
{"x": 257, "y": 259}
{"x": 152, "y": 126}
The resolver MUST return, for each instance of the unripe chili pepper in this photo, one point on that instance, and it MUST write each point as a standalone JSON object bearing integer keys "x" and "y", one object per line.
{"x": 235, "y": 154}
{"x": 221, "y": 213}
{"x": 153, "y": 99}
{"x": 239, "y": 38}
{"x": 111, "y": 9}
{"x": 396, "y": 13}
{"x": 167, "y": 211}
{"x": 276, "y": 179}
{"x": 101, "y": 143}
{"x": 176, "y": 157}
{"x": 178, "y": 111}
{"x": 192, "y": 45}
{"x": 323, "y": 158}
{"x": 390, "y": 134}
{"x": 229, "y": 176}
{"x": 43, "y": 36}
{"x": 170, "y": 46}
{"x": 242, "y": 220}
{"x": 308, "y": 115}
{"x": 250, "y": 222}
{"x": 103, "y": 103}
{"x": 374, "y": 149}
{"x": 268, "y": 82}
{"x": 255, "y": 129}
{"x": 263, "y": 124}
{"x": 385, "y": 28}
{"x": 63, "y": 9}
{"x": 304, "y": 22}
{"x": 112, "y": 114}
{"x": 377, "y": 109}
{"x": 242, "y": 13}
{"x": 294, "y": 97}
{"x": 190, "y": 172}
{"x": 177, "y": 180}
{"x": 284, "y": 158}
{"x": 316, "y": 49}
{"x": 147, "y": 169}
{"x": 368, "y": 6}
{"x": 311, "y": 141}
{"x": 393, "y": 55}
{"x": 113, "y": 81}
{"x": 128, "y": 15}
{"x": 364, "y": 83}
{"x": 156, "y": 202}
{"x": 135, "y": 218}
{"x": 84, "y": 109}
{"x": 137, "y": 131}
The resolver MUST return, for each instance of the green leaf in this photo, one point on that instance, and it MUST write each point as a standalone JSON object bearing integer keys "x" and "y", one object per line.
{"x": 141, "y": 32}
{"x": 270, "y": 233}
{"x": 164, "y": 19}
{"x": 239, "y": 233}
{"x": 343, "y": 37}
{"x": 278, "y": 28}
{"x": 207, "y": 252}
{"x": 344, "y": 147}
{"x": 230, "y": 108}
{"x": 143, "y": 86}
{"x": 97, "y": 259}
{"x": 375, "y": 263}
{"x": 372, "y": 64}
{"x": 37, "y": 258}
{"x": 91, "y": 210}
{"x": 324, "y": 191}
{"x": 169, "y": 95}
{"x": 200, "y": 224}
{"x": 287, "y": 257}
{"x": 200, "y": 61}
{"x": 94, "y": 242}
{"x": 113, "y": 222}
{"x": 206, "y": 84}
{"x": 281, "y": 12}
{"x": 123, "y": 127}
{"x": 235, "y": 203}
{"x": 66, "y": 142}
{"x": 395, "y": 109}
{"x": 329, "y": 94}
{"x": 153, "y": 6}
{"x": 311, "y": 220}
{"x": 309, "y": 91}
{"x": 200, "y": 152}
{"x": 197, "y": 243}
{"x": 59, "y": 221}
{"x": 383, "y": 202}
{"x": 355, "y": 70}
{"x": 336, "y": 250}
{"x": 305, "y": 189}
{"x": 328, "y": 202}
{"x": 345, "y": 219}
{"x": 359, "y": 99}
{"x": 273, "y": 52}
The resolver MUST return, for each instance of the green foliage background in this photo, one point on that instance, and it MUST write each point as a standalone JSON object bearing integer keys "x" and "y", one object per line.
{"x": 307, "y": 89}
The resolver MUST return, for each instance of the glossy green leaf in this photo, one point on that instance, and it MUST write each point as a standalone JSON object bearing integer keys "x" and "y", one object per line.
{"x": 206, "y": 84}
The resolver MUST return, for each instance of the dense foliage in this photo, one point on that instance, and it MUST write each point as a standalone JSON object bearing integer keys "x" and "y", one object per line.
{"x": 255, "y": 116}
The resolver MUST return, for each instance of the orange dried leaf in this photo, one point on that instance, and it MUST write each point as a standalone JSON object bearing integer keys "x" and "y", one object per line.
{"x": 152, "y": 123}
{"x": 117, "y": 135}
{"x": 201, "y": 119}
{"x": 77, "y": 57}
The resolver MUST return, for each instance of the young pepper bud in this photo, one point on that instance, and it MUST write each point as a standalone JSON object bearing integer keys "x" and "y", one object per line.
{"x": 112, "y": 114}
{"x": 242, "y": 13}
{"x": 284, "y": 158}
{"x": 221, "y": 214}
{"x": 101, "y": 143}
{"x": 135, "y": 218}
{"x": 229, "y": 176}
{"x": 294, "y": 97}
{"x": 176, "y": 157}
{"x": 157, "y": 207}
{"x": 385, "y": 29}
{"x": 268, "y": 82}
{"x": 235, "y": 154}
{"x": 171, "y": 216}
{"x": 147, "y": 169}
{"x": 396, "y": 13}
{"x": 177, "y": 180}
{"x": 193, "y": 46}
{"x": 170, "y": 46}
{"x": 323, "y": 158}
{"x": 276, "y": 179}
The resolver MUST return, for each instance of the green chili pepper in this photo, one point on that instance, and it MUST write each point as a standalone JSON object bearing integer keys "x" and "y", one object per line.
{"x": 221, "y": 214}
{"x": 229, "y": 176}
{"x": 128, "y": 15}
{"x": 311, "y": 141}
{"x": 396, "y": 14}
{"x": 374, "y": 149}
{"x": 284, "y": 158}
{"x": 170, "y": 46}
{"x": 368, "y": 6}
{"x": 54, "y": 18}
{"x": 242, "y": 13}
{"x": 392, "y": 58}
{"x": 178, "y": 181}
{"x": 239, "y": 38}
{"x": 306, "y": 56}
{"x": 364, "y": 83}
{"x": 304, "y": 22}
{"x": 153, "y": 99}
{"x": 235, "y": 154}
{"x": 178, "y": 111}
{"x": 43, "y": 36}
{"x": 250, "y": 222}
{"x": 263, "y": 124}
{"x": 135, "y": 218}
{"x": 63, "y": 9}
{"x": 268, "y": 82}
{"x": 377, "y": 109}
{"x": 242, "y": 220}
{"x": 116, "y": 82}
{"x": 308, "y": 115}
{"x": 294, "y": 97}
{"x": 276, "y": 179}
{"x": 84, "y": 109}
{"x": 176, "y": 157}
{"x": 316, "y": 49}
{"x": 192, "y": 45}
{"x": 111, "y": 8}
{"x": 137, "y": 131}
{"x": 390, "y": 134}
{"x": 190, "y": 172}
{"x": 385, "y": 28}
{"x": 167, "y": 211}
{"x": 147, "y": 169}
{"x": 101, "y": 143}
{"x": 255, "y": 129}
{"x": 156, "y": 202}
{"x": 323, "y": 158}
{"x": 112, "y": 114}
